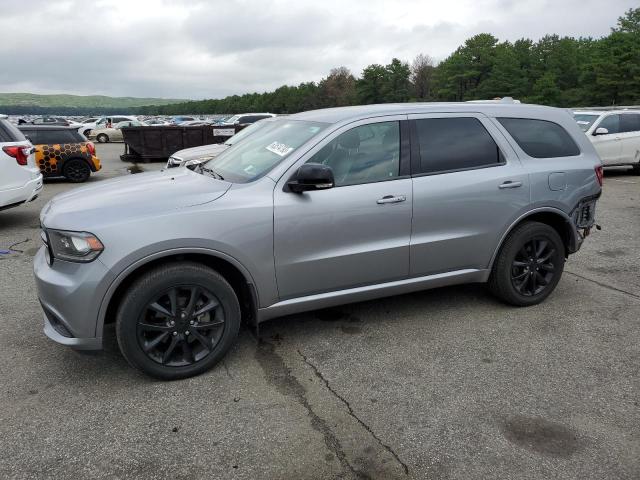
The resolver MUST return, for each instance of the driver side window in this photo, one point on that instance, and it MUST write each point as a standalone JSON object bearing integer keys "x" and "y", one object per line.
{"x": 611, "y": 123}
{"x": 364, "y": 154}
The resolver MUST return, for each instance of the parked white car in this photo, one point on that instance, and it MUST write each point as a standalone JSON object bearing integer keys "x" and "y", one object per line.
{"x": 20, "y": 178}
{"x": 615, "y": 134}
{"x": 102, "y": 122}
{"x": 113, "y": 134}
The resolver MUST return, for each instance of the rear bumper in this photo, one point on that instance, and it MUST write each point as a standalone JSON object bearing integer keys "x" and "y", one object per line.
{"x": 583, "y": 218}
{"x": 26, "y": 193}
{"x": 95, "y": 164}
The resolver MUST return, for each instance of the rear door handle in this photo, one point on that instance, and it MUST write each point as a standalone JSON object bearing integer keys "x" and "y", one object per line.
{"x": 510, "y": 184}
{"x": 391, "y": 199}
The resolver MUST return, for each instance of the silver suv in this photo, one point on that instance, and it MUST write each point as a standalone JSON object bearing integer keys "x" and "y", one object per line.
{"x": 317, "y": 209}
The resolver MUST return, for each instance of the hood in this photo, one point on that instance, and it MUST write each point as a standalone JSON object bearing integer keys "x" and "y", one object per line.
{"x": 203, "y": 151}
{"x": 125, "y": 198}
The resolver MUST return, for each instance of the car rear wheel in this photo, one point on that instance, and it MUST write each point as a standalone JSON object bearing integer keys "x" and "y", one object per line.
{"x": 76, "y": 170}
{"x": 529, "y": 265}
{"x": 103, "y": 138}
{"x": 177, "y": 321}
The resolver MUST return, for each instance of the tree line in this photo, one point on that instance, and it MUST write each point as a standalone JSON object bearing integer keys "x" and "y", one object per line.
{"x": 558, "y": 71}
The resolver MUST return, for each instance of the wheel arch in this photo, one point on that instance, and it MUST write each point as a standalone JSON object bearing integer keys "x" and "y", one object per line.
{"x": 555, "y": 218}
{"x": 233, "y": 272}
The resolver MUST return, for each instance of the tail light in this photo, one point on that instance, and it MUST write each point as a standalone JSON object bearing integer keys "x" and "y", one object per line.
{"x": 599, "y": 174}
{"x": 92, "y": 148}
{"x": 19, "y": 152}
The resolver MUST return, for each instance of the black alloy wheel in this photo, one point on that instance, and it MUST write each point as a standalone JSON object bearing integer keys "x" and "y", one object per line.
{"x": 177, "y": 320}
{"x": 76, "y": 170}
{"x": 181, "y": 326}
{"x": 529, "y": 264}
{"x": 533, "y": 269}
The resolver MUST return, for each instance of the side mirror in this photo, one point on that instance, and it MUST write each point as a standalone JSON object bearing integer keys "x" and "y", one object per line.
{"x": 311, "y": 176}
{"x": 600, "y": 131}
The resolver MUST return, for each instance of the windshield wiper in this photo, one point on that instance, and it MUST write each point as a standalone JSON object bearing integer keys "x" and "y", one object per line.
{"x": 211, "y": 172}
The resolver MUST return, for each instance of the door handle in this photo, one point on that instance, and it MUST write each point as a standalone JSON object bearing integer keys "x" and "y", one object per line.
{"x": 391, "y": 199}
{"x": 510, "y": 184}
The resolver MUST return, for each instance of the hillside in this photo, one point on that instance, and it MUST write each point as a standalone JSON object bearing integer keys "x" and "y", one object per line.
{"x": 79, "y": 101}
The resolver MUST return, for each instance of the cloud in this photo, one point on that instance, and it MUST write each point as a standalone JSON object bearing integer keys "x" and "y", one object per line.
{"x": 201, "y": 49}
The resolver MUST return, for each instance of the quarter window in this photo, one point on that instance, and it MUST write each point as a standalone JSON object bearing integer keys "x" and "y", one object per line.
{"x": 365, "y": 154}
{"x": 540, "y": 138}
{"x": 448, "y": 144}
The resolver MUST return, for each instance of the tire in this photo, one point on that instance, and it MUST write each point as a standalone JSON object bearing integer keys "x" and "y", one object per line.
{"x": 636, "y": 169}
{"x": 156, "y": 342}
{"x": 76, "y": 170}
{"x": 103, "y": 138}
{"x": 522, "y": 277}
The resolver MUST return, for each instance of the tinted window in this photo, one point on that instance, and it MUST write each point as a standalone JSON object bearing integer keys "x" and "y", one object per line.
{"x": 629, "y": 122}
{"x": 9, "y": 132}
{"x": 41, "y": 137}
{"x": 611, "y": 123}
{"x": 540, "y": 138}
{"x": 365, "y": 154}
{"x": 454, "y": 144}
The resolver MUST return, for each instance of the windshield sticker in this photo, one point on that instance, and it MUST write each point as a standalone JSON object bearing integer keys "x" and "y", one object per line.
{"x": 279, "y": 148}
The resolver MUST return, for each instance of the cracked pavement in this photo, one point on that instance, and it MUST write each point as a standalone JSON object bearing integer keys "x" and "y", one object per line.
{"x": 443, "y": 384}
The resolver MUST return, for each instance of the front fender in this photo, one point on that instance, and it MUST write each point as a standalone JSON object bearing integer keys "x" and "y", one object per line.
{"x": 167, "y": 252}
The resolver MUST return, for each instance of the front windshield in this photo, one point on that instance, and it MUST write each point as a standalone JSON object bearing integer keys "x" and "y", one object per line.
{"x": 233, "y": 119}
{"x": 585, "y": 120}
{"x": 245, "y": 132}
{"x": 263, "y": 150}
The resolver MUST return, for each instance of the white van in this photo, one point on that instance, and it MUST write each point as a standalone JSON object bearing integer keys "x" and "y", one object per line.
{"x": 615, "y": 134}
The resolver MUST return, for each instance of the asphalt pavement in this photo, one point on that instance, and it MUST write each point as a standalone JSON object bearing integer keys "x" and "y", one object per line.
{"x": 442, "y": 384}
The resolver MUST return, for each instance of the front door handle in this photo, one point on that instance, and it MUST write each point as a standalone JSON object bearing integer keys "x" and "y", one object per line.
{"x": 391, "y": 199}
{"x": 510, "y": 184}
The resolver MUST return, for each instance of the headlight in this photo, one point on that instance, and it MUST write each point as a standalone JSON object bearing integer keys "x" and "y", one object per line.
{"x": 74, "y": 246}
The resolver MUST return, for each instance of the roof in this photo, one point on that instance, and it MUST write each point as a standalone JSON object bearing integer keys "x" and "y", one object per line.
{"x": 601, "y": 112}
{"x": 28, "y": 126}
{"x": 342, "y": 114}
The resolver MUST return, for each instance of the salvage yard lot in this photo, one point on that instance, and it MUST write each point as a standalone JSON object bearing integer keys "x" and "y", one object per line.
{"x": 447, "y": 383}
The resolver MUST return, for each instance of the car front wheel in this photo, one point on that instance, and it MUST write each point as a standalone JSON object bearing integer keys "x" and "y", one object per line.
{"x": 177, "y": 321}
{"x": 529, "y": 265}
{"x": 103, "y": 138}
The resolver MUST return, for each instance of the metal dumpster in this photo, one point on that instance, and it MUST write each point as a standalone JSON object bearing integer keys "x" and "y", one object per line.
{"x": 151, "y": 143}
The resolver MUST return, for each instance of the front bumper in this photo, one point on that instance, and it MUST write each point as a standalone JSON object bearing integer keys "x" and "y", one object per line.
{"x": 70, "y": 295}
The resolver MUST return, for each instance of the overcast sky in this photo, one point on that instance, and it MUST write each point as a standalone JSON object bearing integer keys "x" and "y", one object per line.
{"x": 209, "y": 49}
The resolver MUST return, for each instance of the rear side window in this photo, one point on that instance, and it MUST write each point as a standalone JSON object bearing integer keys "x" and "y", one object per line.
{"x": 629, "y": 122}
{"x": 9, "y": 132}
{"x": 540, "y": 138}
{"x": 447, "y": 144}
{"x": 42, "y": 137}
